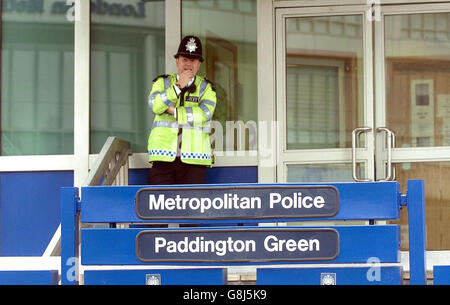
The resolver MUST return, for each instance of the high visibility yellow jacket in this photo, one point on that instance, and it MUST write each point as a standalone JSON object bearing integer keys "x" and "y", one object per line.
{"x": 194, "y": 119}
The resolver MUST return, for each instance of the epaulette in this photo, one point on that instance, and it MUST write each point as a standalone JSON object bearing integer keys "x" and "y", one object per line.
{"x": 213, "y": 87}
{"x": 162, "y": 75}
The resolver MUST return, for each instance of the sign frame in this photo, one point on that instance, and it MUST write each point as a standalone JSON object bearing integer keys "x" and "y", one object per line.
{"x": 231, "y": 188}
{"x": 268, "y": 230}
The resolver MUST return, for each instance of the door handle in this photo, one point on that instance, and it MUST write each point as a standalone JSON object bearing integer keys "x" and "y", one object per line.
{"x": 355, "y": 136}
{"x": 394, "y": 173}
{"x": 390, "y": 170}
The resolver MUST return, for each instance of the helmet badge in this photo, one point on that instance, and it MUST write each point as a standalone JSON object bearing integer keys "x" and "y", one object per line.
{"x": 191, "y": 46}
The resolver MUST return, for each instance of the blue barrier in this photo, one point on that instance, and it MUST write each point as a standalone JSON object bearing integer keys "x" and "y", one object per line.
{"x": 214, "y": 276}
{"x": 360, "y": 243}
{"x": 330, "y": 276}
{"x": 350, "y": 251}
{"x": 441, "y": 275}
{"x": 43, "y": 277}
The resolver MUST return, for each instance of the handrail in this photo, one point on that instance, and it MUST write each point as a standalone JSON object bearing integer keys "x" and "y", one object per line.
{"x": 112, "y": 157}
{"x": 110, "y": 168}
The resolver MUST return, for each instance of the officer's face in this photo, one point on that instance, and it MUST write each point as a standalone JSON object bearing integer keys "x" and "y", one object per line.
{"x": 188, "y": 64}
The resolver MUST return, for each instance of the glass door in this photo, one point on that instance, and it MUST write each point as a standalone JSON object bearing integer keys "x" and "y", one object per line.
{"x": 324, "y": 94}
{"x": 412, "y": 77}
{"x": 365, "y": 96}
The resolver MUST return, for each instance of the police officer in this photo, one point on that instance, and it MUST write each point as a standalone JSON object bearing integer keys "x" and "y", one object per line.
{"x": 183, "y": 103}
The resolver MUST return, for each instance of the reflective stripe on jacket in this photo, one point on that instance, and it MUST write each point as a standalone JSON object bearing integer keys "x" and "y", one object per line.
{"x": 194, "y": 118}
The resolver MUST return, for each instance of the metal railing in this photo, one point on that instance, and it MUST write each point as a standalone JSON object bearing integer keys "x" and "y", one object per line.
{"x": 110, "y": 168}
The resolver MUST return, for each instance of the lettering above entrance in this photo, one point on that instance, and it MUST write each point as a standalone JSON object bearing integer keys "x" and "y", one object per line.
{"x": 100, "y": 7}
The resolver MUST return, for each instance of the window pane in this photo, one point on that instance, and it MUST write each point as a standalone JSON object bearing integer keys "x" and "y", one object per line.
{"x": 324, "y": 81}
{"x": 37, "y": 79}
{"x": 417, "y": 61}
{"x": 323, "y": 172}
{"x": 228, "y": 33}
{"x": 127, "y": 53}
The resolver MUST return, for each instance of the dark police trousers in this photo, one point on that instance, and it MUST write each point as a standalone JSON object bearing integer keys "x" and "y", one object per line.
{"x": 176, "y": 172}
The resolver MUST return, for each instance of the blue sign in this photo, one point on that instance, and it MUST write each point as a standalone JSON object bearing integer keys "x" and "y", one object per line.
{"x": 242, "y": 202}
{"x": 242, "y": 245}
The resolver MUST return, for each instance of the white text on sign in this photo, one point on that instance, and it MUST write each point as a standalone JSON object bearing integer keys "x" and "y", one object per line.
{"x": 233, "y": 201}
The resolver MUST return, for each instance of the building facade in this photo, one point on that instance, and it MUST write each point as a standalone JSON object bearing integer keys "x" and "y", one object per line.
{"x": 308, "y": 91}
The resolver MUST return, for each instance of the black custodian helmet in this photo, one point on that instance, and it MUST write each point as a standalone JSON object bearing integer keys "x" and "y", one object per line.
{"x": 190, "y": 47}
